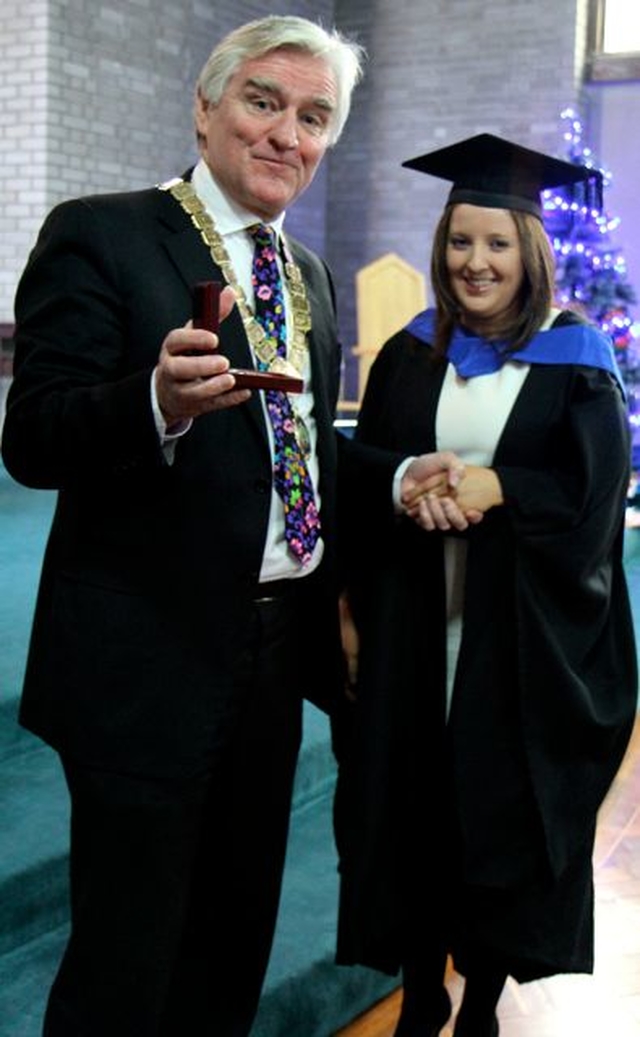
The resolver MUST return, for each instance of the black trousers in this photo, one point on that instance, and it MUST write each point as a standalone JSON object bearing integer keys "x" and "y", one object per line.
{"x": 175, "y": 883}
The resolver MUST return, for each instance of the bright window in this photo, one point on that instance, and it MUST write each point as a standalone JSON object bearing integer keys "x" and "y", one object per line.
{"x": 613, "y": 50}
{"x": 621, "y": 27}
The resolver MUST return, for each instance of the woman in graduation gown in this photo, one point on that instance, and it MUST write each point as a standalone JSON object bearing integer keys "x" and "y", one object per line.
{"x": 496, "y": 674}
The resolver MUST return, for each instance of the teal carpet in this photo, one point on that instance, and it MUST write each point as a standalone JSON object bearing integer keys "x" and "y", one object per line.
{"x": 306, "y": 994}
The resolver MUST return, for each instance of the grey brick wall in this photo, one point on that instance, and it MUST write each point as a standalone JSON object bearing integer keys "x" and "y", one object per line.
{"x": 23, "y": 125}
{"x": 439, "y": 70}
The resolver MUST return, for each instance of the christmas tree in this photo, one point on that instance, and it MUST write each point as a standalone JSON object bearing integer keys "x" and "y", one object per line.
{"x": 591, "y": 270}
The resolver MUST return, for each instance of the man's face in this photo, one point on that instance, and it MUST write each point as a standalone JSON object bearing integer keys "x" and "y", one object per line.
{"x": 264, "y": 140}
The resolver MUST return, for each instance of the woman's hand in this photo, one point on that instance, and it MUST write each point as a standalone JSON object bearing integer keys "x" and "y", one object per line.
{"x": 479, "y": 490}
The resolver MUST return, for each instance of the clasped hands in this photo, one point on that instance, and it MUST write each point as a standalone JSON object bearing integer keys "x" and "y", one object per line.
{"x": 440, "y": 492}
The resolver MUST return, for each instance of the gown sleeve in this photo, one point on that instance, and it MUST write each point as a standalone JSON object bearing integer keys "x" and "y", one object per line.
{"x": 574, "y": 630}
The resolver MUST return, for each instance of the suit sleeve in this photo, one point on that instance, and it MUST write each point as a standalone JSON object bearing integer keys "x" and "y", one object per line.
{"x": 79, "y": 404}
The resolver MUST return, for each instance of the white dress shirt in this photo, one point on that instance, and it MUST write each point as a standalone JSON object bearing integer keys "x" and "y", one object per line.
{"x": 232, "y": 224}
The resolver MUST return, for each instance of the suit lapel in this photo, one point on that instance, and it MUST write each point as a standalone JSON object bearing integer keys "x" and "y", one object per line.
{"x": 192, "y": 259}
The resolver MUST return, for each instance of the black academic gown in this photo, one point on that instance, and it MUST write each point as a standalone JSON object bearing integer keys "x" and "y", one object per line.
{"x": 483, "y": 826}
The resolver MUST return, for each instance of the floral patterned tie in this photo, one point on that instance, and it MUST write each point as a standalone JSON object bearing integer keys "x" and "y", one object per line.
{"x": 291, "y": 476}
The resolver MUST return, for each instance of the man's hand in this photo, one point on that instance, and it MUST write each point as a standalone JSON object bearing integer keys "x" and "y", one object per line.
{"x": 444, "y": 466}
{"x": 350, "y": 645}
{"x": 192, "y": 377}
{"x": 428, "y": 493}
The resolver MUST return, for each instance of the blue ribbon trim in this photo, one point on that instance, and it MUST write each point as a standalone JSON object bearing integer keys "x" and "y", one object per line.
{"x": 472, "y": 355}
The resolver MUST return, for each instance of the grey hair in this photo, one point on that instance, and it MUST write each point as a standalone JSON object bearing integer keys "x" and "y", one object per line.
{"x": 345, "y": 57}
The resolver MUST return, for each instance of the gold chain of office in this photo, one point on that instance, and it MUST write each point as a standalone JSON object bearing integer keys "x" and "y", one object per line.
{"x": 263, "y": 345}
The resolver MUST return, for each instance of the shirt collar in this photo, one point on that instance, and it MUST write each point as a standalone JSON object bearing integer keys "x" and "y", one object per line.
{"x": 229, "y": 217}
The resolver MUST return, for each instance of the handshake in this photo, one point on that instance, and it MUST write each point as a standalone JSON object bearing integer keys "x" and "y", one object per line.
{"x": 439, "y": 491}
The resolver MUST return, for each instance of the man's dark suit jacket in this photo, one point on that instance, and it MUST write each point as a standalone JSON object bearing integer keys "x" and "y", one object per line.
{"x": 150, "y": 567}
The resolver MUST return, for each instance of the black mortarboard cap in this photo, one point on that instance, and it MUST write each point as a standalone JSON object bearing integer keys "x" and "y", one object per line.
{"x": 490, "y": 171}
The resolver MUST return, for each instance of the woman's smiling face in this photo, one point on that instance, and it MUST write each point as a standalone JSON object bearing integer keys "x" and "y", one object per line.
{"x": 485, "y": 265}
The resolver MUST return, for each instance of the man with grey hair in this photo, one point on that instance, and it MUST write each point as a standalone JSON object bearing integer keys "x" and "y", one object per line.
{"x": 188, "y": 599}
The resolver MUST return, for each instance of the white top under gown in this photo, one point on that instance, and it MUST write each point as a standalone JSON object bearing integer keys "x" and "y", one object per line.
{"x": 472, "y": 413}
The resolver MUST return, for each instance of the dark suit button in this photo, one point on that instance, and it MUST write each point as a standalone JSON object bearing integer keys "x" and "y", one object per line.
{"x": 262, "y": 486}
